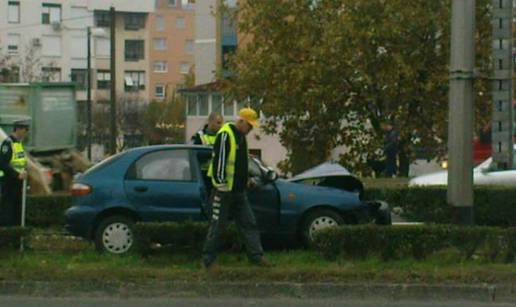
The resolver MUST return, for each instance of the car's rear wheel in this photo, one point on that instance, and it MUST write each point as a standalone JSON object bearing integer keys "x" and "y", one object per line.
{"x": 114, "y": 234}
{"x": 317, "y": 220}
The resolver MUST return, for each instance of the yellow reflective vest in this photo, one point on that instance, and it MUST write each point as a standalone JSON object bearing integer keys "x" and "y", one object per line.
{"x": 18, "y": 158}
{"x": 229, "y": 167}
{"x": 207, "y": 139}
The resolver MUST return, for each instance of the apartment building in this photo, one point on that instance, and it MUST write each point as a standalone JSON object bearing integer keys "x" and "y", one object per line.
{"x": 215, "y": 37}
{"x": 49, "y": 39}
{"x": 171, "y": 58}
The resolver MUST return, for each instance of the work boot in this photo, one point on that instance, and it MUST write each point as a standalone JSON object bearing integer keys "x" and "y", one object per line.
{"x": 212, "y": 267}
{"x": 262, "y": 262}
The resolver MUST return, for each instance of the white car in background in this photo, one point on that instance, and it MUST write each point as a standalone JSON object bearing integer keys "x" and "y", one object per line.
{"x": 483, "y": 174}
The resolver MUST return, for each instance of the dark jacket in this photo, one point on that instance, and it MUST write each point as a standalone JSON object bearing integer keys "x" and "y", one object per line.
{"x": 6, "y": 153}
{"x": 221, "y": 150}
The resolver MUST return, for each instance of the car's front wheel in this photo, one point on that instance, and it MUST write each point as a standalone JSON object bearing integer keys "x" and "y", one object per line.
{"x": 317, "y": 220}
{"x": 114, "y": 234}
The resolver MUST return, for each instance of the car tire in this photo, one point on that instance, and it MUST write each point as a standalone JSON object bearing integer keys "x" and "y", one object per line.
{"x": 114, "y": 234}
{"x": 319, "y": 219}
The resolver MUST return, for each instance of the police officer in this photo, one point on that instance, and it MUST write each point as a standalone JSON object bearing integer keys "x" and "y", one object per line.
{"x": 207, "y": 135}
{"x": 13, "y": 164}
{"x": 229, "y": 174}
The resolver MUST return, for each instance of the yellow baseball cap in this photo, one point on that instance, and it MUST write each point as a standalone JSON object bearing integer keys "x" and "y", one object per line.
{"x": 250, "y": 116}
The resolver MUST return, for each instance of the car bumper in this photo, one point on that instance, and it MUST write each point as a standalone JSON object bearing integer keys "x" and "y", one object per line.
{"x": 379, "y": 212}
{"x": 79, "y": 221}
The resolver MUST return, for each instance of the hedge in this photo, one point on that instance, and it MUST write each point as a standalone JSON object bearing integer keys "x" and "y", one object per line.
{"x": 10, "y": 236}
{"x": 44, "y": 211}
{"x": 185, "y": 236}
{"x": 395, "y": 242}
{"x": 493, "y": 206}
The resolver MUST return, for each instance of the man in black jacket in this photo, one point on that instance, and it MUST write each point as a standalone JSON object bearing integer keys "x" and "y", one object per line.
{"x": 229, "y": 173}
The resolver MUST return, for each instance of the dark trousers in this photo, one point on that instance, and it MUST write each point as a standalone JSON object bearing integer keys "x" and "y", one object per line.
{"x": 10, "y": 203}
{"x": 236, "y": 205}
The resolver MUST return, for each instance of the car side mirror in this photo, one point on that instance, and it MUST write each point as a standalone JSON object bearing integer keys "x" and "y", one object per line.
{"x": 271, "y": 175}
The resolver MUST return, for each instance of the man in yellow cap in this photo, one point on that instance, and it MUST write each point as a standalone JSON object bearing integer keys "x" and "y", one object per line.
{"x": 229, "y": 173}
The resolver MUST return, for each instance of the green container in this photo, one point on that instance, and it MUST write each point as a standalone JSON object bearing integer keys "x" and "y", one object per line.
{"x": 52, "y": 108}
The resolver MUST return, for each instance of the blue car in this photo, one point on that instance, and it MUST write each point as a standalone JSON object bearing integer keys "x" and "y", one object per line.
{"x": 169, "y": 183}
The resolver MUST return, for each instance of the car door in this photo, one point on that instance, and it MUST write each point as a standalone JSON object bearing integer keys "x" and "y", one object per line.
{"x": 162, "y": 186}
{"x": 264, "y": 199}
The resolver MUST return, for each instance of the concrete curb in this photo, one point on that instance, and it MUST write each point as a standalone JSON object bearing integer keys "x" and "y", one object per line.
{"x": 477, "y": 292}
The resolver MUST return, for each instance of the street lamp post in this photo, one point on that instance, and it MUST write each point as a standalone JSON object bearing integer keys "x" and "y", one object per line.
{"x": 97, "y": 32}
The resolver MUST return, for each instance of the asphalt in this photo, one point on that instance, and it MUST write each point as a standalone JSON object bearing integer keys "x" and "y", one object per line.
{"x": 500, "y": 293}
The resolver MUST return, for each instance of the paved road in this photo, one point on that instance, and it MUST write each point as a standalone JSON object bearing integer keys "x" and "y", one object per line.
{"x": 20, "y": 301}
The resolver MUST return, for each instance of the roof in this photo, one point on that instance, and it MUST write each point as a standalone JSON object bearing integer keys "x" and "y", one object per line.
{"x": 215, "y": 86}
{"x": 325, "y": 169}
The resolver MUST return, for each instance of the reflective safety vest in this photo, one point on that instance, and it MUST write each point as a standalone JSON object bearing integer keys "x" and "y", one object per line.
{"x": 18, "y": 158}
{"x": 230, "y": 162}
{"x": 207, "y": 139}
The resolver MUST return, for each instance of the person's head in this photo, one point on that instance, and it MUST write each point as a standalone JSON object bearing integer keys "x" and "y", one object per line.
{"x": 21, "y": 129}
{"x": 215, "y": 122}
{"x": 247, "y": 120}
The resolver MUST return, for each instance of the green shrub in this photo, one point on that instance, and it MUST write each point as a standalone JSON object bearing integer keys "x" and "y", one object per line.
{"x": 493, "y": 206}
{"x": 416, "y": 241}
{"x": 10, "y": 236}
{"x": 44, "y": 211}
{"x": 185, "y": 236}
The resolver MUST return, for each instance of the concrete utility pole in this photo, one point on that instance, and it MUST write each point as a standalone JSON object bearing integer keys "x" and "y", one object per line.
{"x": 460, "y": 126}
{"x": 114, "y": 132}
{"x": 88, "y": 73}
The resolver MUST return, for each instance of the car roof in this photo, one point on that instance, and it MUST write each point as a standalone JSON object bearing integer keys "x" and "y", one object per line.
{"x": 167, "y": 147}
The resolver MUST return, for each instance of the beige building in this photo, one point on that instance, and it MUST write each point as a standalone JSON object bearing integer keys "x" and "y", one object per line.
{"x": 215, "y": 37}
{"x": 171, "y": 29}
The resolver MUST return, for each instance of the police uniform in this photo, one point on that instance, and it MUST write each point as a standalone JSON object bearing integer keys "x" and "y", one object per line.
{"x": 13, "y": 161}
{"x": 204, "y": 137}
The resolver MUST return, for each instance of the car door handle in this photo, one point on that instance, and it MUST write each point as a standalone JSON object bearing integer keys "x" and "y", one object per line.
{"x": 141, "y": 189}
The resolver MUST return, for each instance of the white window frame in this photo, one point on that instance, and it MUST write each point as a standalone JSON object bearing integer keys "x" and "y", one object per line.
{"x": 52, "y": 10}
{"x": 13, "y": 43}
{"x": 182, "y": 66}
{"x": 13, "y": 16}
{"x": 159, "y": 43}
{"x": 160, "y": 23}
{"x": 180, "y": 22}
{"x": 160, "y": 66}
{"x": 163, "y": 91}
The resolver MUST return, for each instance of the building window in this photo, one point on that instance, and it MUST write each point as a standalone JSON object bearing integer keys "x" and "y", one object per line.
{"x": 189, "y": 46}
{"x": 191, "y": 105}
{"x": 187, "y": 4}
{"x": 134, "y": 21}
{"x": 160, "y": 23}
{"x": 216, "y": 104}
{"x": 159, "y": 91}
{"x": 227, "y": 52}
{"x": 51, "y": 45}
{"x": 80, "y": 77}
{"x": 51, "y": 74}
{"x": 202, "y": 100}
{"x": 10, "y": 74}
{"x": 172, "y": 3}
{"x": 180, "y": 22}
{"x": 134, "y": 50}
{"x": 103, "y": 79}
{"x": 51, "y": 13}
{"x": 13, "y": 43}
{"x": 185, "y": 68}
{"x": 160, "y": 44}
{"x": 134, "y": 80}
{"x": 14, "y": 12}
{"x": 102, "y": 19}
{"x": 160, "y": 66}
{"x": 229, "y": 108}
